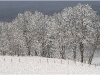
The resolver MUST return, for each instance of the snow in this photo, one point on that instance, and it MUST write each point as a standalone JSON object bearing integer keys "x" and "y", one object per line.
{"x": 41, "y": 65}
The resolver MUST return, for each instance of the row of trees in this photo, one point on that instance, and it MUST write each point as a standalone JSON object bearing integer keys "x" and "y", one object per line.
{"x": 73, "y": 33}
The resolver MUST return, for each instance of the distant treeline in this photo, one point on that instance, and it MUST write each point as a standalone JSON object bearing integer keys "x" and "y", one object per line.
{"x": 72, "y": 33}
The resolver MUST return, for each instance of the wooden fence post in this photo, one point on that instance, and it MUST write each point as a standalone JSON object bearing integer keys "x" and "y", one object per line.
{"x": 95, "y": 65}
{"x": 54, "y": 61}
{"x": 75, "y": 62}
{"x": 11, "y": 60}
{"x": 68, "y": 62}
{"x": 47, "y": 60}
{"x": 19, "y": 59}
{"x": 61, "y": 61}
{"x": 4, "y": 59}
{"x": 40, "y": 60}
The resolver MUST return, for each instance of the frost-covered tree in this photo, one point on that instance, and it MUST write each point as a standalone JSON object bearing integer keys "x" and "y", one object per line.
{"x": 81, "y": 18}
{"x": 73, "y": 33}
{"x": 52, "y": 38}
{"x": 62, "y": 34}
{"x": 87, "y": 20}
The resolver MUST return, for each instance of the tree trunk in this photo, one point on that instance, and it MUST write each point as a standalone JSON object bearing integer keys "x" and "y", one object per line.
{"x": 90, "y": 59}
{"x": 94, "y": 49}
{"x": 62, "y": 52}
{"x": 81, "y": 51}
{"x": 74, "y": 52}
{"x": 29, "y": 48}
{"x": 28, "y": 45}
{"x": 43, "y": 50}
{"x": 36, "y": 53}
{"x": 48, "y": 51}
{"x": 92, "y": 54}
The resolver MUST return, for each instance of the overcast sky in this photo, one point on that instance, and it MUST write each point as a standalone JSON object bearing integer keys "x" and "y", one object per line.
{"x": 49, "y": 0}
{"x": 46, "y": 3}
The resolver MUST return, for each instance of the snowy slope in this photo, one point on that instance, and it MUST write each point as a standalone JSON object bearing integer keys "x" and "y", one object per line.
{"x": 40, "y": 65}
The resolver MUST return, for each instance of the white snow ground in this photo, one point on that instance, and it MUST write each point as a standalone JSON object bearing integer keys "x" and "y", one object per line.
{"x": 40, "y": 65}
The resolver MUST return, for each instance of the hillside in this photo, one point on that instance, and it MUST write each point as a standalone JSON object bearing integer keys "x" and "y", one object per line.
{"x": 40, "y": 65}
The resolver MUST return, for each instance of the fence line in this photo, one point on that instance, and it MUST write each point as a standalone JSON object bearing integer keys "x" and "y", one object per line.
{"x": 60, "y": 62}
{"x": 96, "y": 64}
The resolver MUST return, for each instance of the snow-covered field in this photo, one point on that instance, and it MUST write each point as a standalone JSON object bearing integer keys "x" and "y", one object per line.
{"x": 40, "y": 65}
